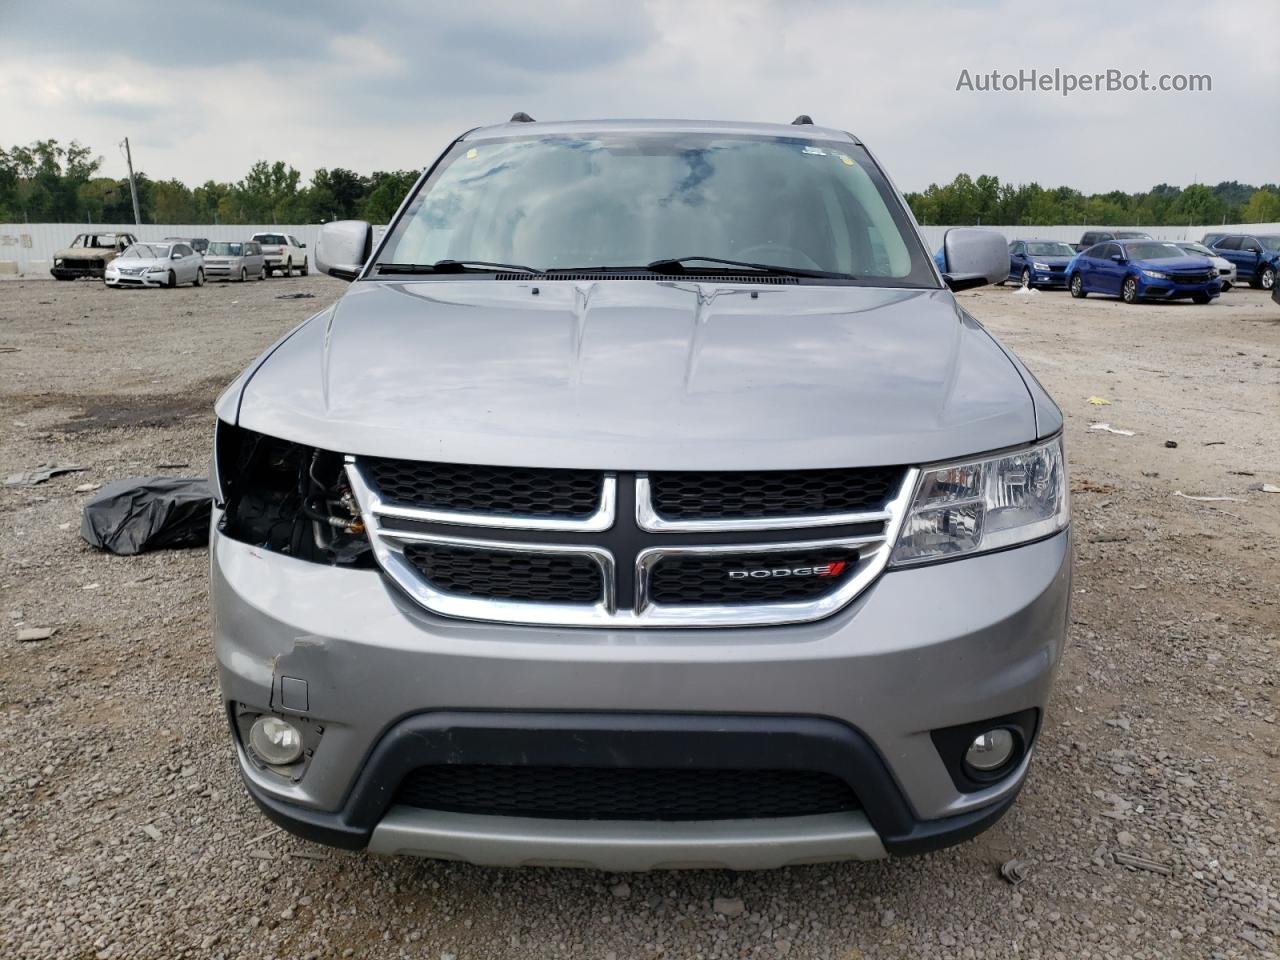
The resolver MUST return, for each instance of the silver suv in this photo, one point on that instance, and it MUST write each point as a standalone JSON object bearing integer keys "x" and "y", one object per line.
{"x": 647, "y": 501}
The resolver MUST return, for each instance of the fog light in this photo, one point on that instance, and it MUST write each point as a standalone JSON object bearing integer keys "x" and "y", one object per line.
{"x": 277, "y": 742}
{"x": 990, "y": 750}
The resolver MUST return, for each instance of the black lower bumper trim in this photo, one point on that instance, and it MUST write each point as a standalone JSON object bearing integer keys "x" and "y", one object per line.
{"x": 652, "y": 741}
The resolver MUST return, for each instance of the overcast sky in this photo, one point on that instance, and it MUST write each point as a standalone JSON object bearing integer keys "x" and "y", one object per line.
{"x": 203, "y": 90}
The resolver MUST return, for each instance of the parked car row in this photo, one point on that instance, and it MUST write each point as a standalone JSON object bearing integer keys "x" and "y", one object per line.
{"x": 1130, "y": 265}
{"x": 121, "y": 260}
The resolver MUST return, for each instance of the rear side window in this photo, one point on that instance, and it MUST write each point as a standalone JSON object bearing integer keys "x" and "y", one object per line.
{"x": 1228, "y": 243}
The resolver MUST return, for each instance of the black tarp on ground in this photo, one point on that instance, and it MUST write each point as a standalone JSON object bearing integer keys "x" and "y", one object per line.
{"x": 148, "y": 513}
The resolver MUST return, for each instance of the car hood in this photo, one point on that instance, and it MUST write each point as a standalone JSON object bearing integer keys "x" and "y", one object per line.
{"x": 149, "y": 263}
{"x": 1190, "y": 262}
{"x": 73, "y": 253}
{"x": 636, "y": 375}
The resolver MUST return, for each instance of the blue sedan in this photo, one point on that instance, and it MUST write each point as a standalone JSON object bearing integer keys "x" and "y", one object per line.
{"x": 1136, "y": 270}
{"x": 1039, "y": 263}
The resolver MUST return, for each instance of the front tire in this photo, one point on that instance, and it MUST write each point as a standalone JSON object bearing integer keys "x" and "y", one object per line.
{"x": 172, "y": 282}
{"x": 1201, "y": 298}
{"x": 1129, "y": 292}
{"x": 199, "y": 280}
{"x": 305, "y": 268}
{"x": 288, "y": 267}
{"x": 1026, "y": 277}
{"x": 1077, "y": 287}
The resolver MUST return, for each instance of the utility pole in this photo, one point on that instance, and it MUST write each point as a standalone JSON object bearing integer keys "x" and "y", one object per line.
{"x": 133, "y": 186}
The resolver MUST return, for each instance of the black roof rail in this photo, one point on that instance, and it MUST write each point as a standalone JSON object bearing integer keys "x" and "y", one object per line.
{"x": 804, "y": 120}
{"x": 520, "y": 117}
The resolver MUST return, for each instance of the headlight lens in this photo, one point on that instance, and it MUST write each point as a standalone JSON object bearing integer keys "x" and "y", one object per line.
{"x": 1155, "y": 274}
{"x": 1040, "y": 266}
{"x": 986, "y": 504}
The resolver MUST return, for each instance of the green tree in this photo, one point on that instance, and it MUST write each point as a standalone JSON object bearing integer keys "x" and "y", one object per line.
{"x": 387, "y": 191}
{"x": 1263, "y": 207}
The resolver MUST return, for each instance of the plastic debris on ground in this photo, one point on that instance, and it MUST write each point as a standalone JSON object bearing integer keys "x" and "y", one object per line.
{"x": 41, "y": 473}
{"x": 1027, "y": 292}
{"x": 148, "y": 513}
{"x": 1015, "y": 870}
{"x": 1108, "y": 428}
{"x": 1187, "y": 496}
{"x": 1099, "y": 401}
{"x": 33, "y": 634}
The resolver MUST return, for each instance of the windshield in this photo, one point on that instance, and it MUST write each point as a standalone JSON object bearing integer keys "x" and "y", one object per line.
{"x": 147, "y": 251}
{"x": 626, "y": 199}
{"x": 1050, "y": 250}
{"x": 223, "y": 249}
{"x": 1153, "y": 251}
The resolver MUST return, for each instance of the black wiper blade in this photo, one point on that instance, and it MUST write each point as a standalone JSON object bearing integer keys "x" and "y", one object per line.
{"x": 455, "y": 266}
{"x": 679, "y": 265}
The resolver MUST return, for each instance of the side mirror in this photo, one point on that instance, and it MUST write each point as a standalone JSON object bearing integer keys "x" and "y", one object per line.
{"x": 973, "y": 257}
{"x": 1118, "y": 257}
{"x": 302, "y": 245}
{"x": 343, "y": 248}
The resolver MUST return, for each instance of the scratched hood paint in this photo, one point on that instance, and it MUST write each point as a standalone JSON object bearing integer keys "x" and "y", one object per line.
{"x": 635, "y": 375}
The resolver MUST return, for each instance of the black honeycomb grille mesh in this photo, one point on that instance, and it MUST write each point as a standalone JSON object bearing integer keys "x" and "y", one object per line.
{"x": 624, "y": 793}
{"x": 771, "y": 577}
{"x": 773, "y": 493}
{"x": 506, "y": 491}
{"x": 508, "y": 575}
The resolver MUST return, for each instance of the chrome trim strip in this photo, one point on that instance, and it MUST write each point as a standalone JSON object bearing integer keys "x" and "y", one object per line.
{"x": 625, "y": 845}
{"x": 388, "y": 550}
{"x": 601, "y": 520}
{"x": 647, "y": 518}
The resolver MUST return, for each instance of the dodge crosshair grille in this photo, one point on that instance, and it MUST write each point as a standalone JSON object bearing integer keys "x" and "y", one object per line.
{"x": 621, "y": 549}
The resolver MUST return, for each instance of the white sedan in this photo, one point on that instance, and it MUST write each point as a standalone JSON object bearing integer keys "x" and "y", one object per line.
{"x": 156, "y": 265}
{"x": 1226, "y": 269}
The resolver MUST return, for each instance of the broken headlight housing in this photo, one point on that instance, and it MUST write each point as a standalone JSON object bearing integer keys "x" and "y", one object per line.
{"x": 288, "y": 498}
{"x": 986, "y": 504}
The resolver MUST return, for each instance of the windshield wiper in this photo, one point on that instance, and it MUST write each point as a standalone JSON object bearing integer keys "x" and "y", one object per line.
{"x": 678, "y": 265}
{"x": 455, "y": 266}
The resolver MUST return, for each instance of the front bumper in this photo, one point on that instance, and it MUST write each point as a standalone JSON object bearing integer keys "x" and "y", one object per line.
{"x": 881, "y": 674}
{"x": 74, "y": 271}
{"x": 138, "y": 280}
{"x": 1049, "y": 278}
{"x": 1167, "y": 290}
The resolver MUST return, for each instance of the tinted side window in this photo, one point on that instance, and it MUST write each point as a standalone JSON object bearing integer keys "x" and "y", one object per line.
{"x": 1250, "y": 245}
{"x": 1229, "y": 243}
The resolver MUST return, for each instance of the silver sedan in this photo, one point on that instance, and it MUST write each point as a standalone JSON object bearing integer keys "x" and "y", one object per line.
{"x": 155, "y": 265}
{"x": 235, "y": 260}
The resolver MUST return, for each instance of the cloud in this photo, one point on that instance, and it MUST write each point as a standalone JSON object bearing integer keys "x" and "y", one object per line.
{"x": 204, "y": 90}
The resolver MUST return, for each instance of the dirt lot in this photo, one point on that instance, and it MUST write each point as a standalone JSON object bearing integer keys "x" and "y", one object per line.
{"x": 124, "y": 831}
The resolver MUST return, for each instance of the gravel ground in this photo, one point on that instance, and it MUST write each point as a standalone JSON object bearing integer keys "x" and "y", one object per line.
{"x": 124, "y": 831}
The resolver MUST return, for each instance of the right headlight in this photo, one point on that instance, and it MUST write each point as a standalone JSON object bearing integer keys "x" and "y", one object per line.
{"x": 986, "y": 504}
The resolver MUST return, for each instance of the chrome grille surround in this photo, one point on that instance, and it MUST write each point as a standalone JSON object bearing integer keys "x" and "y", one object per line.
{"x": 391, "y": 526}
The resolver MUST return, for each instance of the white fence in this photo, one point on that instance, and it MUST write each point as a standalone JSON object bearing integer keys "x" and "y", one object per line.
{"x": 31, "y": 245}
